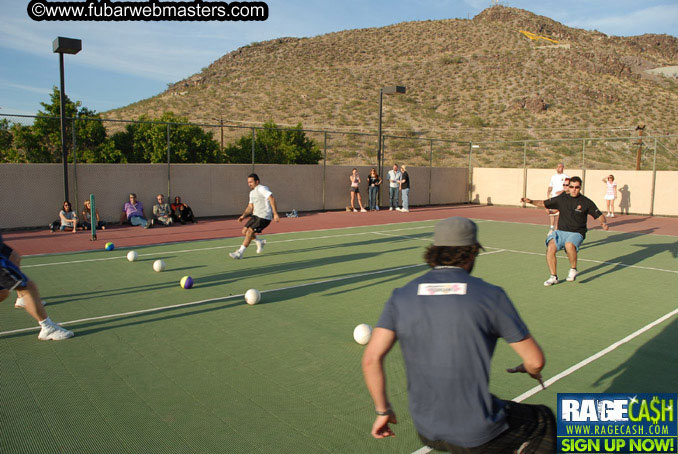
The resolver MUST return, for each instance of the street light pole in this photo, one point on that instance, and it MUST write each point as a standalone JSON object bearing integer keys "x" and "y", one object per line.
{"x": 64, "y": 46}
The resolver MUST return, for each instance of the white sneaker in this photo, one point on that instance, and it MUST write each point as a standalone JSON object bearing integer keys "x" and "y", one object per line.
{"x": 377, "y": 208}
{"x": 390, "y": 209}
{"x": 260, "y": 245}
{"x": 553, "y": 280}
{"x": 235, "y": 255}
{"x": 52, "y": 331}
{"x": 398, "y": 209}
{"x": 404, "y": 210}
{"x": 363, "y": 210}
{"x": 19, "y": 304}
{"x": 611, "y": 215}
{"x": 572, "y": 275}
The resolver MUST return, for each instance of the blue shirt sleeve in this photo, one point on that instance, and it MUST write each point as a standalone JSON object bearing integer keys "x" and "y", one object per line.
{"x": 507, "y": 322}
{"x": 387, "y": 318}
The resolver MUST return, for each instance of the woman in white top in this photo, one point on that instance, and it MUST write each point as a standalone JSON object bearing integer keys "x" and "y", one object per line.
{"x": 68, "y": 217}
{"x": 355, "y": 190}
{"x": 610, "y": 194}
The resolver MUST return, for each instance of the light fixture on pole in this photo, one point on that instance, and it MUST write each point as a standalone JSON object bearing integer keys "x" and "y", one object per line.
{"x": 385, "y": 90}
{"x": 63, "y": 46}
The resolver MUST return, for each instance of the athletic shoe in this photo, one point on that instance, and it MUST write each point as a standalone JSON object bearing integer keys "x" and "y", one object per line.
{"x": 363, "y": 210}
{"x": 235, "y": 255}
{"x": 260, "y": 245}
{"x": 572, "y": 275}
{"x": 404, "y": 210}
{"x": 611, "y": 215}
{"x": 19, "y": 304}
{"x": 376, "y": 208}
{"x": 553, "y": 280}
{"x": 390, "y": 209}
{"x": 52, "y": 331}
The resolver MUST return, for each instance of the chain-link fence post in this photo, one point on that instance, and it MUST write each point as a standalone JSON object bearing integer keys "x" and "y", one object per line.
{"x": 168, "y": 161}
{"x": 524, "y": 171}
{"x": 75, "y": 166}
{"x": 654, "y": 176}
{"x": 430, "y": 171}
{"x": 583, "y": 165}
{"x": 470, "y": 172}
{"x": 324, "y": 168}
{"x": 254, "y": 138}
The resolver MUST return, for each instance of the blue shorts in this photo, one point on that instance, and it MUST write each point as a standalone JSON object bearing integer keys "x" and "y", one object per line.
{"x": 11, "y": 276}
{"x": 562, "y": 237}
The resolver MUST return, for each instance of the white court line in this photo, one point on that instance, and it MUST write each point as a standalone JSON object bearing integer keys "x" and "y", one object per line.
{"x": 580, "y": 364}
{"x": 195, "y": 303}
{"x": 598, "y": 355}
{"x": 599, "y": 261}
{"x": 216, "y": 247}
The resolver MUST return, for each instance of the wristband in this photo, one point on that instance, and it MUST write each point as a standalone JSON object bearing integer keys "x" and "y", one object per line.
{"x": 388, "y": 412}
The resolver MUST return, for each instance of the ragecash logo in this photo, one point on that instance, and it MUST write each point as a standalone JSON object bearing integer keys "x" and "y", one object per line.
{"x": 621, "y": 423}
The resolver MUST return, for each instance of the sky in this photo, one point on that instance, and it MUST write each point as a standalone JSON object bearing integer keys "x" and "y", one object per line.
{"x": 124, "y": 62}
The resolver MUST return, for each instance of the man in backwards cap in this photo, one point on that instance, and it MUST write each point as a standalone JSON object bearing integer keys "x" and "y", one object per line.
{"x": 448, "y": 323}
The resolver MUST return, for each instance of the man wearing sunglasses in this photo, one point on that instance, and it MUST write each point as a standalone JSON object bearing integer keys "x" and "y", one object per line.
{"x": 574, "y": 208}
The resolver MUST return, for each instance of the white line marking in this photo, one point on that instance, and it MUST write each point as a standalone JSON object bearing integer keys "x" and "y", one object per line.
{"x": 598, "y": 355}
{"x": 224, "y": 298}
{"x": 218, "y": 247}
{"x": 194, "y": 303}
{"x": 598, "y": 261}
{"x": 580, "y": 364}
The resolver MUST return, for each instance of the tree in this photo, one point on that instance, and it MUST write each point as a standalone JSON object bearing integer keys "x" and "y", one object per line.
{"x": 41, "y": 142}
{"x": 146, "y": 141}
{"x": 275, "y": 146}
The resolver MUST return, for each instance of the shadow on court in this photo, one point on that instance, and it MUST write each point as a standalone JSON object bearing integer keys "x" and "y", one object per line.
{"x": 652, "y": 368}
{"x": 615, "y": 238}
{"x": 162, "y": 314}
{"x": 646, "y": 251}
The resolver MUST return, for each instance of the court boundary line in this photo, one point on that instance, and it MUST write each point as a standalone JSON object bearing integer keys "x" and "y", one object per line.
{"x": 387, "y": 233}
{"x": 477, "y": 220}
{"x": 581, "y": 364}
{"x": 223, "y": 298}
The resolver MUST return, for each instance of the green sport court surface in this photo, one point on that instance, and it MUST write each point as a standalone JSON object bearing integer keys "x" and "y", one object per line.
{"x": 154, "y": 368}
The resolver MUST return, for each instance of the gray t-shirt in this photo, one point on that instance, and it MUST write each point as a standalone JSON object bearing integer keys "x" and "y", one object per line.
{"x": 448, "y": 323}
{"x": 259, "y": 199}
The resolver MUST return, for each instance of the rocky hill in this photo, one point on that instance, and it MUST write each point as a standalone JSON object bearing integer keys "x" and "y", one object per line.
{"x": 466, "y": 79}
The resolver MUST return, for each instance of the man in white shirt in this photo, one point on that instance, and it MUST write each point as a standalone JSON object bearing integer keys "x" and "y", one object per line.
{"x": 394, "y": 177}
{"x": 555, "y": 189}
{"x": 260, "y": 209}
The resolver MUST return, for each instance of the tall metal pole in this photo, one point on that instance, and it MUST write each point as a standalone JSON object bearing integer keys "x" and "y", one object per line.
{"x": 379, "y": 150}
{"x": 169, "y": 176}
{"x": 324, "y": 169}
{"x": 62, "y": 114}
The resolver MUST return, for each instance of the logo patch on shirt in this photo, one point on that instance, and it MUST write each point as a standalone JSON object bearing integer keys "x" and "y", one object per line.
{"x": 442, "y": 289}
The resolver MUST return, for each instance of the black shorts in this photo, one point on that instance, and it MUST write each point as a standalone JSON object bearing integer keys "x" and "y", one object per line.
{"x": 5, "y": 250}
{"x": 356, "y": 190}
{"x": 11, "y": 276}
{"x": 257, "y": 224}
{"x": 533, "y": 426}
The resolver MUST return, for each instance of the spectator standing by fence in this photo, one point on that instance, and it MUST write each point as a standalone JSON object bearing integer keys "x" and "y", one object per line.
{"x": 394, "y": 176}
{"x": 405, "y": 189}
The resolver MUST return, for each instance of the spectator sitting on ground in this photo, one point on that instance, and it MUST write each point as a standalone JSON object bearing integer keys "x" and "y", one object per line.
{"x": 133, "y": 211}
{"x": 162, "y": 213}
{"x": 68, "y": 217}
{"x": 182, "y": 212}
{"x": 87, "y": 217}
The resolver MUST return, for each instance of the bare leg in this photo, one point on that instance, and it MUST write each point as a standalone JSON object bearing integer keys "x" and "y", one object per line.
{"x": 360, "y": 202}
{"x": 352, "y": 199}
{"x": 249, "y": 236}
{"x": 31, "y": 298}
{"x": 571, "y": 251}
{"x": 551, "y": 257}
